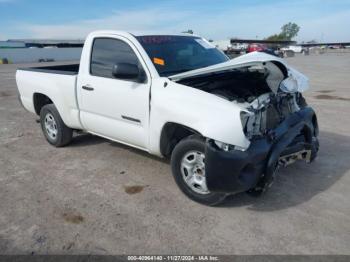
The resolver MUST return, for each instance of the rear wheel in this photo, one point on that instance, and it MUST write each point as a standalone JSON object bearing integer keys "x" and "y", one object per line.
{"x": 188, "y": 167}
{"x": 54, "y": 129}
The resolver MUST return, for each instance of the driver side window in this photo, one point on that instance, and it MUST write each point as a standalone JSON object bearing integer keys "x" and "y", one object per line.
{"x": 106, "y": 52}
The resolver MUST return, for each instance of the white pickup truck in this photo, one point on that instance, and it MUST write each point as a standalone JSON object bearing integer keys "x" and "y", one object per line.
{"x": 227, "y": 125}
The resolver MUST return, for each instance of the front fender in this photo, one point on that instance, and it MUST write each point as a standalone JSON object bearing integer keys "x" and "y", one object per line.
{"x": 209, "y": 115}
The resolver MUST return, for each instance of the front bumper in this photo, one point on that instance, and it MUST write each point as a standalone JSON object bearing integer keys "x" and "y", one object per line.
{"x": 238, "y": 171}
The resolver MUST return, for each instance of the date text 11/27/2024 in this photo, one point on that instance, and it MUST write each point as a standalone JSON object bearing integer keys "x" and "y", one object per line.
{"x": 173, "y": 258}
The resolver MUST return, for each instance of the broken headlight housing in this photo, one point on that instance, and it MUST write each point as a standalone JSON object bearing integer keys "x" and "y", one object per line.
{"x": 226, "y": 147}
{"x": 223, "y": 146}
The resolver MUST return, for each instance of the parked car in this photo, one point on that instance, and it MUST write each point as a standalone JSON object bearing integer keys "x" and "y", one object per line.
{"x": 238, "y": 47}
{"x": 294, "y": 48}
{"x": 256, "y": 48}
{"x": 227, "y": 125}
{"x": 335, "y": 47}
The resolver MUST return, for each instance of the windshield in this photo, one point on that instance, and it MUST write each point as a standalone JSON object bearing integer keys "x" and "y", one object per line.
{"x": 177, "y": 54}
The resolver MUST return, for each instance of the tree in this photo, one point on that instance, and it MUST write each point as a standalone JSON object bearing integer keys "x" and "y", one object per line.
{"x": 289, "y": 31}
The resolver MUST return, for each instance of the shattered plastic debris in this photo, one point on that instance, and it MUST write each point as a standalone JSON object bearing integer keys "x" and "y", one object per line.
{"x": 296, "y": 82}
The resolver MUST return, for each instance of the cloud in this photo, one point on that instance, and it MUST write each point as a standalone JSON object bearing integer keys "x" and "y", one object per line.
{"x": 248, "y": 21}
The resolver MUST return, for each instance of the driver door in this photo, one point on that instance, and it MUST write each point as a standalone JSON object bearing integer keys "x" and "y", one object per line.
{"x": 110, "y": 107}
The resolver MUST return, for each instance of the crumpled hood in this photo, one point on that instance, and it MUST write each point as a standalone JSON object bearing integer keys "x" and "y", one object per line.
{"x": 281, "y": 75}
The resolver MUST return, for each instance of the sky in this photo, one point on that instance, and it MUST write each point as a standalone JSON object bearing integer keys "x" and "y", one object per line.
{"x": 321, "y": 20}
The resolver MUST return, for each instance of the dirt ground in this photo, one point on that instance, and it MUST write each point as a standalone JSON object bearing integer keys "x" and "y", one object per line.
{"x": 100, "y": 197}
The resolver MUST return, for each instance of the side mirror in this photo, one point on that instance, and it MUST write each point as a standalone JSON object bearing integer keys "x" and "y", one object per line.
{"x": 127, "y": 71}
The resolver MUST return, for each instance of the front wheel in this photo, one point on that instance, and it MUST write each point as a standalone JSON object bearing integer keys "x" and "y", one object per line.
{"x": 188, "y": 167}
{"x": 54, "y": 129}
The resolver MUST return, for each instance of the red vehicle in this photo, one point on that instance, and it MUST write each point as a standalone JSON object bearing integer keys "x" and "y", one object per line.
{"x": 256, "y": 47}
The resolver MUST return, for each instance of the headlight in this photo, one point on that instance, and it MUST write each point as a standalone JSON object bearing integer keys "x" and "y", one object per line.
{"x": 227, "y": 147}
{"x": 222, "y": 146}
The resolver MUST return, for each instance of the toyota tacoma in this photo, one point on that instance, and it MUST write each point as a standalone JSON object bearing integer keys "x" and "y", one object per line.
{"x": 227, "y": 125}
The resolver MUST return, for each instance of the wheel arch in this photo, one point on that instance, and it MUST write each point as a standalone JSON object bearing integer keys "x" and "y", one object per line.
{"x": 171, "y": 134}
{"x": 69, "y": 116}
{"x": 39, "y": 101}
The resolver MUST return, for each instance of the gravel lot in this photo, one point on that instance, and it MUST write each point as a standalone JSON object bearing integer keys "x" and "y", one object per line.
{"x": 100, "y": 197}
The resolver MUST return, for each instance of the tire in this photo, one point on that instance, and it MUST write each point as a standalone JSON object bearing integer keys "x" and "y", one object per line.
{"x": 187, "y": 150}
{"x": 53, "y": 127}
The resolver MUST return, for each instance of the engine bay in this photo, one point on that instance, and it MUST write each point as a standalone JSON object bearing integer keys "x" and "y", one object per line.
{"x": 249, "y": 88}
{"x": 268, "y": 111}
{"x": 240, "y": 85}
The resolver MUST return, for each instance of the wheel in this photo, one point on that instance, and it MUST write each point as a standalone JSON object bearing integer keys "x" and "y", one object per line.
{"x": 188, "y": 168}
{"x": 54, "y": 129}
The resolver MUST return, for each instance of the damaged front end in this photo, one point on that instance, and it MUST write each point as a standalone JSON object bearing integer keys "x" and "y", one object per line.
{"x": 254, "y": 169}
{"x": 275, "y": 118}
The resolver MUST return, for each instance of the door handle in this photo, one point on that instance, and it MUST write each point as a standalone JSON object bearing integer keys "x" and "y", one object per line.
{"x": 88, "y": 88}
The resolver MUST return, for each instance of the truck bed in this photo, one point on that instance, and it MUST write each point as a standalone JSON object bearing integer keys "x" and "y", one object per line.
{"x": 58, "y": 83}
{"x": 70, "y": 69}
